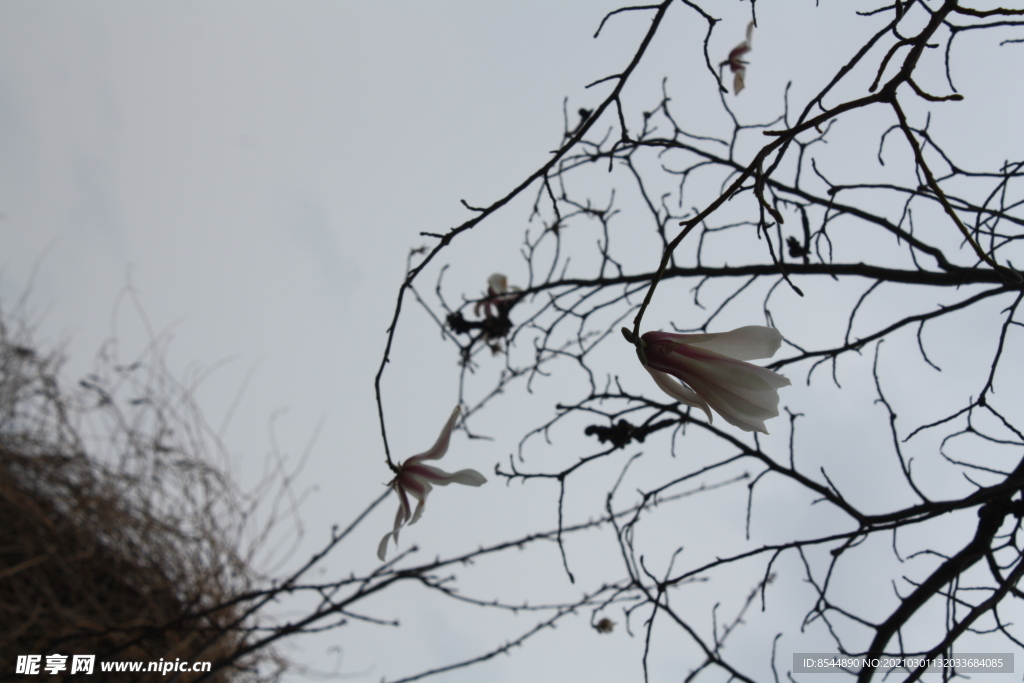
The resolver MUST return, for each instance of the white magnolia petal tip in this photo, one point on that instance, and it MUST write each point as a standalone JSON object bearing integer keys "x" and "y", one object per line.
{"x": 382, "y": 549}
{"x": 498, "y": 283}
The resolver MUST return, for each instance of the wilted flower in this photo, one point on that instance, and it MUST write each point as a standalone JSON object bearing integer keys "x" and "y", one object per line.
{"x": 499, "y": 296}
{"x": 714, "y": 375}
{"x": 416, "y": 479}
{"x": 736, "y": 63}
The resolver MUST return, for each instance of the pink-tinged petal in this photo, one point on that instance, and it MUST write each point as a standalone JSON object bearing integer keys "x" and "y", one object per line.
{"x": 412, "y": 481}
{"x": 676, "y": 337}
{"x": 688, "y": 362}
{"x": 434, "y": 475}
{"x": 679, "y": 392}
{"x": 403, "y": 507}
{"x": 735, "y": 60}
{"x": 415, "y": 485}
{"x": 442, "y": 478}
{"x": 440, "y": 447}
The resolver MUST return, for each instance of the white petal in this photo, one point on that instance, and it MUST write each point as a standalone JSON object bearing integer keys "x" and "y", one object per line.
{"x": 678, "y": 391}
{"x": 724, "y": 372}
{"x": 419, "y": 511}
{"x": 745, "y": 343}
{"x": 746, "y": 410}
{"x": 440, "y": 446}
{"x": 383, "y": 547}
{"x": 442, "y": 478}
{"x": 400, "y": 518}
{"x": 744, "y": 395}
{"x": 403, "y": 507}
{"x": 498, "y": 283}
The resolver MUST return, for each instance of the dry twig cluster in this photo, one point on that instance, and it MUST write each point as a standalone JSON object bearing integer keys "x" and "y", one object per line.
{"x": 118, "y": 544}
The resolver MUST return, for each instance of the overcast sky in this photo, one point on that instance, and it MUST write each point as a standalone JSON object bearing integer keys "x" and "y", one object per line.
{"x": 257, "y": 172}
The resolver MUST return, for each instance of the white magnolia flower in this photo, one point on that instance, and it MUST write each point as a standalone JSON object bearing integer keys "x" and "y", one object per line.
{"x": 497, "y": 283}
{"x": 714, "y": 375}
{"x": 415, "y": 479}
{"x": 736, "y": 63}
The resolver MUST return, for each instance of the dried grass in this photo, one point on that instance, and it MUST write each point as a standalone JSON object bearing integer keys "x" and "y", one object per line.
{"x": 118, "y": 537}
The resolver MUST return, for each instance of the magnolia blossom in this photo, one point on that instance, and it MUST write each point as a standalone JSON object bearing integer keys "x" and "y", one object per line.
{"x": 416, "y": 479}
{"x": 714, "y": 375}
{"x": 736, "y": 63}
